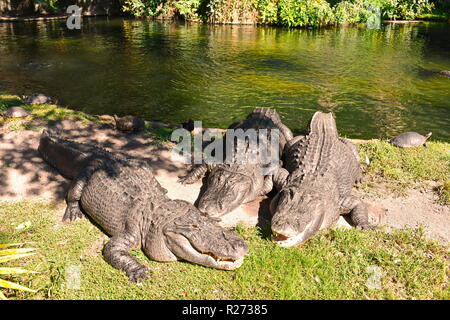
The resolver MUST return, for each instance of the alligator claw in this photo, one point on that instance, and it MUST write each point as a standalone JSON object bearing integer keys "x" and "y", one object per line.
{"x": 138, "y": 274}
{"x": 366, "y": 227}
{"x": 185, "y": 180}
{"x": 72, "y": 213}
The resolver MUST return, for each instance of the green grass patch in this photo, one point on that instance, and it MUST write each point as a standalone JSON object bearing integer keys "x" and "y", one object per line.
{"x": 335, "y": 264}
{"x": 444, "y": 192}
{"x": 399, "y": 168}
{"x": 7, "y": 101}
{"x": 48, "y": 112}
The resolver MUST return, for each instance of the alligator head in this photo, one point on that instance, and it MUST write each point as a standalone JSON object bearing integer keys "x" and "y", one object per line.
{"x": 309, "y": 194}
{"x": 193, "y": 237}
{"x": 229, "y": 186}
{"x": 300, "y": 210}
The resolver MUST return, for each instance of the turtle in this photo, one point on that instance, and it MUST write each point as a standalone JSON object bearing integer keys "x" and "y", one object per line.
{"x": 16, "y": 112}
{"x": 410, "y": 139}
{"x": 188, "y": 125}
{"x": 129, "y": 123}
{"x": 38, "y": 98}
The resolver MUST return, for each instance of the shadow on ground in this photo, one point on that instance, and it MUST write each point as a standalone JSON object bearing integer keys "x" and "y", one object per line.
{"x": 24, "y": 174}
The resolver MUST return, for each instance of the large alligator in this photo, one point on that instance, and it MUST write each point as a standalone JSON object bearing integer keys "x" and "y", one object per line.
{"x": 315, "y": 185}
{"x": 123, "y": 197}
{"x": 245, "y": 175}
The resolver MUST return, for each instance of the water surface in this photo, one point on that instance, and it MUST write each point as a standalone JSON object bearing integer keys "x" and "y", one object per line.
{"x": 372, "y": 79}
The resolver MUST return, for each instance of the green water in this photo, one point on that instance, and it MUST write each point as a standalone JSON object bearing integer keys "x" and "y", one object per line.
{"x": 372, "y": 79}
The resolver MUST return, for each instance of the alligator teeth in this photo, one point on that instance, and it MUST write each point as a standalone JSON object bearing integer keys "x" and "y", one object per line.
{"x": 279, "y": 237}
{"x": 219, "y": 259}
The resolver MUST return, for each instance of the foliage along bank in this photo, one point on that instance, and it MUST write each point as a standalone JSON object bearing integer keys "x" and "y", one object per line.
{"x": 291, "y": 13}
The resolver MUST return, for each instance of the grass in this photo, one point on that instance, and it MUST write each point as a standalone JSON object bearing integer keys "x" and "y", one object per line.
{"x": 444, "y": 192}
{"x": 398, "y": 169}
{"x": 335, "y": 264}
{"x": 48, "y": 112}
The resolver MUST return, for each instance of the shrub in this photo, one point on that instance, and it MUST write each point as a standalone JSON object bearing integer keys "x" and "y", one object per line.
{"x": 299, "y": 13}
{"x": 292, "y": 13}
{"x": 268, "y": 11}
{"x": 354, "y": 11}
{"x": 186, "y": 8}
{"x": 347, "y": 12}
{"x": 141, "y": 8}
{"x": 406, "y": 9}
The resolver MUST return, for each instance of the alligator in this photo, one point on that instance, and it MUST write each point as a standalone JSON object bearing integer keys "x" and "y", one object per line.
{"x": 428, "y": 72}
{"x": 245, "y": 176}
{"x": 121, "y": 195}
{"x": 314, "y": 186}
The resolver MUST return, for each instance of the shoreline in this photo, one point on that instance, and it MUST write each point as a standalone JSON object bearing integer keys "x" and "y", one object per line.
{"x": 29, "y": 18}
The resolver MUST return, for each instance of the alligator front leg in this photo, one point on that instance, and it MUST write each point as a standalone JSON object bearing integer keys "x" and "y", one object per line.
{"x": 357, "y": 211}
{"x": 268, "y": 185}
{"x": 116, "y": 253}
{"x": 194, "y": 175}
{"x": 73, "y": 210}
{"x": 280, "y": 178}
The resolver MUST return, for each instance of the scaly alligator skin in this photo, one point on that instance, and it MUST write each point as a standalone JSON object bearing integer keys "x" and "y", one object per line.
{"x": 240, "y": 180}
{"x": 315, "y": 184}
{"x": 122, "y": 196}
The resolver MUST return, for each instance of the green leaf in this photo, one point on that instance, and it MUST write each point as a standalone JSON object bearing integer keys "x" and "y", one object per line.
{"x": 15, "y": 256}
{"x": 7, "y": 245}
{"x": 12, "y": 285}
{"x": 8, "y": 252}
{"x": 14, "y": 270}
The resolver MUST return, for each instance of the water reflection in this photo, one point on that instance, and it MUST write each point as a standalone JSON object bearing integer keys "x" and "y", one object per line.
{"x": 371, "y": 78}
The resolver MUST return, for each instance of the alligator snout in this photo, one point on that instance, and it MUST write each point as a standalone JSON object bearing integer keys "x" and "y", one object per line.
{"x": 212, "y": 209}
{"x": 284, "y": 232}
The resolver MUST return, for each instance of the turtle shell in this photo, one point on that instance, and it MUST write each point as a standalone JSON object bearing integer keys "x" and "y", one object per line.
{"x": 409, "y": 139}
{"x": 129, "y": 123}
{"x": 38, "y": 98}
{"x": 16, "y": 112}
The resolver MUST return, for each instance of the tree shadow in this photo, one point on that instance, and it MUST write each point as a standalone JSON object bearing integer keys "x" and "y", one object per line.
{"x": 24, "y": 174}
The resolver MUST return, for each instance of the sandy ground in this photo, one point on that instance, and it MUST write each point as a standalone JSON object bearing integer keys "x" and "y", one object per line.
{"x": 24, "y": 175}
